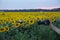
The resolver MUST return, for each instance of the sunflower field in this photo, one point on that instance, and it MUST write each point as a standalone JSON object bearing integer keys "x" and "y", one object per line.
{"x": 24, "y": 26}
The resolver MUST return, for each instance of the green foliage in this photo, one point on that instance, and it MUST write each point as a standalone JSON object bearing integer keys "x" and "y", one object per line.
{"x": 34, "y": 32}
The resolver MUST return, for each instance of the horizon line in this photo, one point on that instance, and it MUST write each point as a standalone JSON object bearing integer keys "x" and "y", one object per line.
{"x": 48, "y": 8}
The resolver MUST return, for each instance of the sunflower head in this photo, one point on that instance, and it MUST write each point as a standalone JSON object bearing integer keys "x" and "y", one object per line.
{"x": 17, "y": 25}
{"x": 31, "y": 21}
{"x": 6, "y": 28}
{"x": 2, "y": 29}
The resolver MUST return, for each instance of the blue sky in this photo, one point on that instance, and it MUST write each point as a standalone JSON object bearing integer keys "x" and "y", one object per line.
{"x": 28, "y": 4}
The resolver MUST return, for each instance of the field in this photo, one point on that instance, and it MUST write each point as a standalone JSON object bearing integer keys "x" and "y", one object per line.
{"x": 24, "y": 26}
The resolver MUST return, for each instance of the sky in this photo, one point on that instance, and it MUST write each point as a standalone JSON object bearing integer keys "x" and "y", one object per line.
{"x": 29, "y": 4}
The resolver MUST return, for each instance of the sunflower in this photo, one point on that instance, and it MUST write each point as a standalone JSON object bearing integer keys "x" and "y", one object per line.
{"x": 2, "y": 29}
{"x": 12, "y": 21}
{"x": 2, "y": 22}
{"x": 6, "y": 19}
{"x": 39, "y": 18}
{"x": 31, "y": 21}
{"x": 26, "y": 19}
{"x": 16, "y": 25}
{"x": 18, "y": 18}
{"x": 6, "y": 28}
{"x": 44, "y": 17}
{"x": 52, "y": 19}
